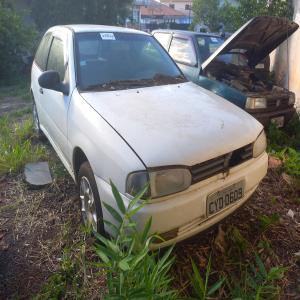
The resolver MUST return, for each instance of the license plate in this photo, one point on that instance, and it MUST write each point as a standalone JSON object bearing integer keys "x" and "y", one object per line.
{"x": 278, "y": 121}
{"x": 221, "y": 199}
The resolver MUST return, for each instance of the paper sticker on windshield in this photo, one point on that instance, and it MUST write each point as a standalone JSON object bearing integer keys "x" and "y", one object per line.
{"x": 214, "y": 40}
{"x": 108, "y": 36}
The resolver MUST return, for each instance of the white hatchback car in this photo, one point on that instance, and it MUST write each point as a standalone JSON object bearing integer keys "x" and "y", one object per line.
{"x": 115, "y": 106}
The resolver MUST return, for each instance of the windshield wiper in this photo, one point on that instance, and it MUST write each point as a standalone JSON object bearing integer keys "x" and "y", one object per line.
{"x": 113, "y": 85}
{"x": 157, "y": 79}
{"x": 163, "y": 78}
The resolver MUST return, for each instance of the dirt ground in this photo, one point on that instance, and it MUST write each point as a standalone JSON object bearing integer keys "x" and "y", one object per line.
{"x": 36, "y": 225}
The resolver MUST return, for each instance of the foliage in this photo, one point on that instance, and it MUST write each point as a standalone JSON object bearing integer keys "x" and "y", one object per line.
{"x": 267, "y": 221}
{"x": 16, "y": 40}
{"x": 47, "y": 13}
{"x": 285, "y": 144}
{"x": 200, "y": 285}
{"x": 233, "y": 16}
{"x": 207, "y": 12}
{"x": 256, "y": 282}
{"x": 16, "y": 147}
{"x": 133, "y": 271}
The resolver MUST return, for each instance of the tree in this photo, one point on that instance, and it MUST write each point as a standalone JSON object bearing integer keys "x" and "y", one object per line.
{"x": 207, "y": 12}
{"x": 47, "y": 13}
{"x": 16, "y": 39}
{"x": 212, "y": 13}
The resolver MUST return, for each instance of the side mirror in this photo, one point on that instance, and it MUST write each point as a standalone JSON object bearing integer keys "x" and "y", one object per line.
{"x": 50, "y": 80}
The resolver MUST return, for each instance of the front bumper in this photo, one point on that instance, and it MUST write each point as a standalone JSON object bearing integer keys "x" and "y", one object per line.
{"x": 265, "y": 117}
{"x": 185, "y": 212}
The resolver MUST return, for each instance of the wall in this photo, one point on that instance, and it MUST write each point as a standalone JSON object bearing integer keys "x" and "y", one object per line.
{"x": 285, "y": 60}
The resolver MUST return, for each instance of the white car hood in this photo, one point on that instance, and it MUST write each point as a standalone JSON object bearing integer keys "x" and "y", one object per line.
{"x": 179, "y": 124}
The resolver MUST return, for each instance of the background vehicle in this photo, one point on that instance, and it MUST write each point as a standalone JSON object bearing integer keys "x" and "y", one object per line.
{"x": 236, "y": 69}
{"x": 116, "y": 107}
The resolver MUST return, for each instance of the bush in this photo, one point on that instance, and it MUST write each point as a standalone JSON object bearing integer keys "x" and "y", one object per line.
{"x": 16, "y": 41}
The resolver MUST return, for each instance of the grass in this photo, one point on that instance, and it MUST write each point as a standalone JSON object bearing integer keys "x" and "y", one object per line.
{"x": 16, "y": 145}
{"x": 20, "y": 89}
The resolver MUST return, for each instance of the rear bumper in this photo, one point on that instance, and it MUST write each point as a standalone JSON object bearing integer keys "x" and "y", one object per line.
{"x": 265, "y": 117}
{"x": 185, "y": 213}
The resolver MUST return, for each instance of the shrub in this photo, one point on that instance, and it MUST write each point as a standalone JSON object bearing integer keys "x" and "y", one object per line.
{"x": 16, "y": 40}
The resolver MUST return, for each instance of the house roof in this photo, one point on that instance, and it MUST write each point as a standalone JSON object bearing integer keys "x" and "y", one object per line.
{"x": 160, "y": 10}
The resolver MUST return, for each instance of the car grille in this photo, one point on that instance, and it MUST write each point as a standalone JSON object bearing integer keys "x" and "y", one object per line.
{"x": 278, "y": 102}
{"x": 221, "y": 164}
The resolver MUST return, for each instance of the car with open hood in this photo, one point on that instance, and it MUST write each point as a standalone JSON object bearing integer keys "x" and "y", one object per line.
{"x": 238, "y": 68}
{"x": 116, "y": 107}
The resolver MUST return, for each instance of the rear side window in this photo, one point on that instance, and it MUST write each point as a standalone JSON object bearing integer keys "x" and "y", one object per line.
{"x": 163, "y": 39}
{"x": 182, "y": 51}
{"x": 42, "y": 52}
{"x": 56, "y": 58}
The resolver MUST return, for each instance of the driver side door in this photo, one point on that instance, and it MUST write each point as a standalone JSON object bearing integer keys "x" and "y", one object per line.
{"x": 55, "y": 104}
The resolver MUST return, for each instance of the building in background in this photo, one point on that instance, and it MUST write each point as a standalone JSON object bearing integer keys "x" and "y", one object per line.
{"x": 181, "y": 5}
{"x": 148, "y": 15}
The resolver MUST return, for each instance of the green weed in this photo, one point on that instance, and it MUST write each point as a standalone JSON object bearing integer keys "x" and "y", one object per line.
{"x": 256, "y": 282}
{"x": 16, "y": 148}
{"x": 200, "y": 284}
{"x": 67, "y": 280}
{"x": 132, "y": 270}
{"x": 267, "y": 221}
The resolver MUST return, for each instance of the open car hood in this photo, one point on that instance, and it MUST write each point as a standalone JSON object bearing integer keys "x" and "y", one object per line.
{"x": 257, "y": 38}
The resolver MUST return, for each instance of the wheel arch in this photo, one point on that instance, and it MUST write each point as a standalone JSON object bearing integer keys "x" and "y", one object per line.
{"x": 79, "y": 157}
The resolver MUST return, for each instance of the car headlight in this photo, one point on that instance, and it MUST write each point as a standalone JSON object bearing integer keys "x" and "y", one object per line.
{"x": 254, "y": 103}
{"x": 162, "y": 181}
{"x": 292, "y": 99}
{"x": 260, "y": 144}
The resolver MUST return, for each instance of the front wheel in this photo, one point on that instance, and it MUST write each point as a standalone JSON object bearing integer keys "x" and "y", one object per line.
{"x": 91, "y": 209}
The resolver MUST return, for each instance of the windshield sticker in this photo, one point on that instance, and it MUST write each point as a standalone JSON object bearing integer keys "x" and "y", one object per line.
{"x": 82, "y": 63}
{"x": 108, "y": 36}
{"x": 214, "y": 40}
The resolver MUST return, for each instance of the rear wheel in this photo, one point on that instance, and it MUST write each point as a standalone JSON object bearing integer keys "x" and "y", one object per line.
{"x": 36, "y": 122}
{"x": 91, "y": 209}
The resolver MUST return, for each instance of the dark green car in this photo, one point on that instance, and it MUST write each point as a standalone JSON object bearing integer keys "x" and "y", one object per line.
{"x": 237, "y": 69}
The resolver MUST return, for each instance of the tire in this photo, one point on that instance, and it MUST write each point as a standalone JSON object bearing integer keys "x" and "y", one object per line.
{"x": 36, "y": 123}
{"x": 90, "y": 204}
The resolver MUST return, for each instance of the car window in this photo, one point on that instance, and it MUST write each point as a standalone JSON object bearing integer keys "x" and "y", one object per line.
{"x": 163, "y": 38}
{"x": 43, "y": 51}
{"x": 117, "y": 60}
{"x": 56, "y": 58}
{"x": 208, "y": 45}
{"x": 182, "y": 51}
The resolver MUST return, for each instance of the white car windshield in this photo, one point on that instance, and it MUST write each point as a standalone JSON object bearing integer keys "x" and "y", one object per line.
{"x": 114, "y": 61}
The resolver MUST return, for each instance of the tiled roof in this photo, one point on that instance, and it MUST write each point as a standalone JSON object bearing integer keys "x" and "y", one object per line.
{"x": 160, "y": 10}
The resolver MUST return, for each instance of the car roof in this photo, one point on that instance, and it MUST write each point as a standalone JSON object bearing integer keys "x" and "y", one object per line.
{"x": 186, "y": 32}
{"x": 97, "y": 28}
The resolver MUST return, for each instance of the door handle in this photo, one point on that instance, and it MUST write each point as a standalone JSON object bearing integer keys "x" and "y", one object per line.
{"x": 41, "y": 91}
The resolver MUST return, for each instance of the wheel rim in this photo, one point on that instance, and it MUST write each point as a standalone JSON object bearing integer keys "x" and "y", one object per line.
{"x": 35, "y": 117}
{"x": 88, "y": 207}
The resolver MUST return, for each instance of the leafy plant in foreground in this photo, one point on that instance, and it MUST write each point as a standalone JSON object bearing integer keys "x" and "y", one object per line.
{"x": 201, "y": 286}
{"x": 133, "y": 271}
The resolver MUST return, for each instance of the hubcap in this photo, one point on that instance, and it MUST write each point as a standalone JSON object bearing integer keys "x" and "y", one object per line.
{"x": 88, "y": 207}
